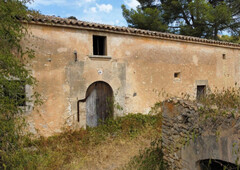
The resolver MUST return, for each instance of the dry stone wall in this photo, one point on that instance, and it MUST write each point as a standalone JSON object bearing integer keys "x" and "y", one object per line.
{"x": 188, "y": 135}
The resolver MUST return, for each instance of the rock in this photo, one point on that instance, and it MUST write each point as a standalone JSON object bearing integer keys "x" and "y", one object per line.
{"x": 214, "y": 107}
{"x": 180, "y": 118}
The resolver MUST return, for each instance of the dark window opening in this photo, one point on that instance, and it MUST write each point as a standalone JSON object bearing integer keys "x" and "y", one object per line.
{"x": 201, "y": 91}
{"x": 214, "y": 164}
{"x": 177, "y": 75}
{"x": 224, "y": 56}
{"x": 14, "y": 92}
{"x": 185, "y": 119}
{"x": 99, "y": 45}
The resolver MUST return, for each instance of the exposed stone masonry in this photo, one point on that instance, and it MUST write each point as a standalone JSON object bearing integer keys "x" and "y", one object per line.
{"x": 183, "y": 123}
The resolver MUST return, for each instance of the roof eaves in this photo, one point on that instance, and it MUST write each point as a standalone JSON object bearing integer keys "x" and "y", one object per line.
{"x": 56, "y": 21}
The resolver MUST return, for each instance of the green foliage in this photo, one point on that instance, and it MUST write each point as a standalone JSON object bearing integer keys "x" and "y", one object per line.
{"x": 13, "y": 77}
{"x": 234, "y": 39}
{"x": 57, "y": 151}
{"x": 128, "y": 126}
{"x": 149, "y": 159}
{"x": 144, "y": 18}
{"x": 198, "y": 18}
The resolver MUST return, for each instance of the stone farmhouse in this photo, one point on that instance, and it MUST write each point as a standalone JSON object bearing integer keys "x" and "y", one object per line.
{"x": 87, "y": 71}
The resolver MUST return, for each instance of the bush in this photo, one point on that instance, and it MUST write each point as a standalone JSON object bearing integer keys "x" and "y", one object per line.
{"x": 149, "y": 159}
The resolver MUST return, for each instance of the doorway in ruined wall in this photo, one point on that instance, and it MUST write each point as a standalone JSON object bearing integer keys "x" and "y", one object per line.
{"x": 215, "y": 164}
{"x": 99, "y": 103}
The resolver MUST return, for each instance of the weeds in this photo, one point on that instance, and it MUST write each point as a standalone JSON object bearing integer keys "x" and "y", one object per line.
{"x": 58, "y": 151}
{"x": 224, "y": 99}
{"x": 219, "y": 103}
{"x": 148, "y": 159}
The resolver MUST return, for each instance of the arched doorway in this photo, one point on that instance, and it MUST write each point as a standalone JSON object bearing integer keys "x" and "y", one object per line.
{"x": 215, "y": 164}
{"x": 99, "y": 103}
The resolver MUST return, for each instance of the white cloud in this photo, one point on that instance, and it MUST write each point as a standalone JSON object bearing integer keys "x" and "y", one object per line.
{"x": 93, "y": 9}
{"x": 104, "y": 7}
{"x": 92, "y": 18}
{"x": 47, "y": 2}
{"x": 132, "y": 3}
{"x": 81, "y": 3}
{"x": 90, "y": 10}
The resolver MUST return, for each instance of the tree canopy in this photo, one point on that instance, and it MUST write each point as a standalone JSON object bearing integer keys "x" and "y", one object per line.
{"x": 14, "y": 76}
{"x": 199, "y": 18}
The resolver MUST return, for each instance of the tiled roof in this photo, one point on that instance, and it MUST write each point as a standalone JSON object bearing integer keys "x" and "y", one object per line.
{"x": 52, "y": 20}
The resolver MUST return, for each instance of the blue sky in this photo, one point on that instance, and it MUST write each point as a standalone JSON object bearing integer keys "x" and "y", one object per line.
{"x": 100, "y": 11}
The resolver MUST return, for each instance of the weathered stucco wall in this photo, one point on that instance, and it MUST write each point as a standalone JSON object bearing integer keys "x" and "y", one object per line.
{"x": 139, "y": 69}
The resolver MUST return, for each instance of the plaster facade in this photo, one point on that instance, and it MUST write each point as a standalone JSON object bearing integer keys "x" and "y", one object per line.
{"x": 140, "y": 69}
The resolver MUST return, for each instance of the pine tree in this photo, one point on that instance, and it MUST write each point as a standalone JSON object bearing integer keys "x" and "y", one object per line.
{"x": 199, "y": 18}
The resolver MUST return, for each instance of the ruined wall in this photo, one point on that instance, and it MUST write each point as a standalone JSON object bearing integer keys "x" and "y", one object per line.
{"x": 137, "y": 68}
{"x": 189, "y": 137}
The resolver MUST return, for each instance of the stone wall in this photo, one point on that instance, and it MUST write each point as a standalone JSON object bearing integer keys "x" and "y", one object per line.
{"x": 189, "y": 136}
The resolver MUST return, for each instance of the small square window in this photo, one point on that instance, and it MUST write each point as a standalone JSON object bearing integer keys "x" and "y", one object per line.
{"x": 177, "y": 75}
{"x": 99, "y": 45}
{"x": 224, "y": 56}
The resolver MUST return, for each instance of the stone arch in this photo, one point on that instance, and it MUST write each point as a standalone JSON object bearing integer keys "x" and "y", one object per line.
{"x": 219, "y": 150}
{"x": 80, "y": 75}
{"x": 99, "y": 103}
{"x": 194, "y": 141}
{"x": 211, "y": 164}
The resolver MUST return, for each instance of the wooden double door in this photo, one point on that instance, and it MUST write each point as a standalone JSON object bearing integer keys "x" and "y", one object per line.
{"x": 99, "y": 103}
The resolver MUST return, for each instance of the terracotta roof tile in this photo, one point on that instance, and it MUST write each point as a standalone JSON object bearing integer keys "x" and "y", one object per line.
{"x": 44, "y": 19}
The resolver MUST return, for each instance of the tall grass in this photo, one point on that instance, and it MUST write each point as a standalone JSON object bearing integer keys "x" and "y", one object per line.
{"x": 223, "y": 99}
{"x": 150, "y": 158}
{"x": 57, "y": 151}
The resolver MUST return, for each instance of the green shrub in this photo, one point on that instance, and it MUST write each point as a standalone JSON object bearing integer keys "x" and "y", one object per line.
{"x": 148, "y": 159}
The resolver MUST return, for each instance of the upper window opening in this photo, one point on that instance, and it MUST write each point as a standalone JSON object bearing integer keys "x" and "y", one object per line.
{"x": 99, "y": 45}
{"x": 224, "y": 56}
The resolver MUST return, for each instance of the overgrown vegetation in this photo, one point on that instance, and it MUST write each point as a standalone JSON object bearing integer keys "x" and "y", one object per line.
{"x": 58, "y": 151}
{"x": 208, "y": 116}
{"x": 149, "y": 158}
{"x": 215, "y": 108}
{"x": 220, "y": 102}
{"x": 17, "y": 149}
{"x": 14, "y": 76}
